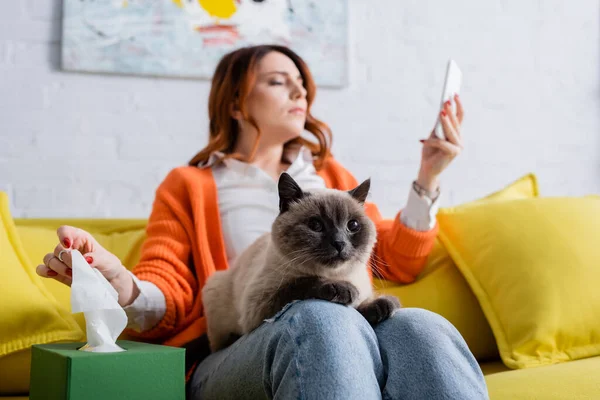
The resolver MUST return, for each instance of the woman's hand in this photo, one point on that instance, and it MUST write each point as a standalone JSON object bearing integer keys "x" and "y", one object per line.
{"x": 71, "y": 238}
{"x": 438, "y": 153}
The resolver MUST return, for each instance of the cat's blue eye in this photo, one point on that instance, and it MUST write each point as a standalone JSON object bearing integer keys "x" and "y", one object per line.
{"x": 314, "y": 224}
{"x": 353, "y": 225}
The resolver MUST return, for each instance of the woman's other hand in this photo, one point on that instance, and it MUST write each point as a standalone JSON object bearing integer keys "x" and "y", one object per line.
{"x": 438, "y": 153}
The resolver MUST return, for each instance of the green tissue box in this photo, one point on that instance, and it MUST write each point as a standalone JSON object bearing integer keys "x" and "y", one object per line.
{"x": 143, "y": 371}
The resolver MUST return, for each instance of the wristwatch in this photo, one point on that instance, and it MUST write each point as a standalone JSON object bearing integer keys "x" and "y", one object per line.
{"x": 426, "y": 193}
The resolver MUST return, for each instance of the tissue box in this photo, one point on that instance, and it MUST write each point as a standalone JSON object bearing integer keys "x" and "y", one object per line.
{"x": 143, "y": 371}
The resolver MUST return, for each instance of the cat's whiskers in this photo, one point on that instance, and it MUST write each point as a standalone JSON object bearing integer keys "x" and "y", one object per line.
{"x": 375, "y": 269}
{"x": 286, "y": 265}
{"x": 374, "y": 254}
{"x": 290, "y": 261}
{"x": 379, "y": 259}
{"x": 374, "y": 260}
{"x": 284, "y": 275}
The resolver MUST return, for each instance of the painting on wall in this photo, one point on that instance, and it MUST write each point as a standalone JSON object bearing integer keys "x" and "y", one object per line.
{"x": 186, "y": 38}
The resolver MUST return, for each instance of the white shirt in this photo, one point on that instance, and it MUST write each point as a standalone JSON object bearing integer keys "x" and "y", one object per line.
{"x": 248, "y": 203}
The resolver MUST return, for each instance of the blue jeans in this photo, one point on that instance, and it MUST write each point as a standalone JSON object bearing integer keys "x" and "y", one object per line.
{"x": 314, "y": 349}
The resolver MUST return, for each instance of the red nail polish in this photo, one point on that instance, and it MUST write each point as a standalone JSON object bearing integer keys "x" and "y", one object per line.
{"x": 89, "y": 259}
{"x": 448, "y": 103}
{"x": 422, "y": 140}
{"x": 69, "y": 272}
{"x": 67, "y": 243}
{"x": 444, "y": 113}
{"x": 51, "y": 273}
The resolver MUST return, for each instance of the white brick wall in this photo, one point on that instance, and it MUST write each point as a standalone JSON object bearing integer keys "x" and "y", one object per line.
{"x": 82, "y": 145}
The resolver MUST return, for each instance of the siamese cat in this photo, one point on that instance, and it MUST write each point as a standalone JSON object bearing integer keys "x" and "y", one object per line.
{"x": 319, "y": 248}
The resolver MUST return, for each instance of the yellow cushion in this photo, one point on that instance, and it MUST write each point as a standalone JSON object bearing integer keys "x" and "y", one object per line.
{"x": 29, "y": 313}
{"x": 575, "y": 380}
{"x": 534, "y": 265}
{"x": 523, "y": 188}
{"x": 442, "y": 289}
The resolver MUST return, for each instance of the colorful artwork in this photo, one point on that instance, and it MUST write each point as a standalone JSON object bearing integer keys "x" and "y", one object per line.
{"x": 186, "y": 38}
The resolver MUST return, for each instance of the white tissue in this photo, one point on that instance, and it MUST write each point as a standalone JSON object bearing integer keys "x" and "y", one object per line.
{"x": 91, "y": 294}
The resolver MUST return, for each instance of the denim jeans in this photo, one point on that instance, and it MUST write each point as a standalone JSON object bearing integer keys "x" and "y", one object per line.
{"x": 314, "y": 349}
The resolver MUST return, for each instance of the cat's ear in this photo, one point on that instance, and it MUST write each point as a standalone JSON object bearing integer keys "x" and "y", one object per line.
{"x": 289, "y": 191}
{"x": 361, "y": 191}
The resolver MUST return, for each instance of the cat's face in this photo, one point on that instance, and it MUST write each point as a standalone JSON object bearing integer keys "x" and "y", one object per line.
{"x": 323, "y": 228}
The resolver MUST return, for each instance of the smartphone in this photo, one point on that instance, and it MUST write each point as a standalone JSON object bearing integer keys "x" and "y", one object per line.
{"x": 452, "y": 84}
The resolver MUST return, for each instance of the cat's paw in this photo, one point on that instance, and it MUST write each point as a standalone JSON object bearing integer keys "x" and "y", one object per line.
{"x": 338, "y": 292}
{"x": 379, "y": 309}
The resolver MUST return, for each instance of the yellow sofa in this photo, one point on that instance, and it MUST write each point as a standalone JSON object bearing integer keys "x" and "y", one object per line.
{"x": 440, "y": 288}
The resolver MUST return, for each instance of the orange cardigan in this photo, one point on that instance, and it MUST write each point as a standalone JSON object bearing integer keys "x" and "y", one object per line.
{"x": 184, "y": 246}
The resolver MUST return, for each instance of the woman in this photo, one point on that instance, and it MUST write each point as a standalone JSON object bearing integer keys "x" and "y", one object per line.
{"x": 207, "y": 213}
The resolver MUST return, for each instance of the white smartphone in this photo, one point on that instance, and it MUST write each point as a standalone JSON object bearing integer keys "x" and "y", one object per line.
{"x": 451, "y": 87}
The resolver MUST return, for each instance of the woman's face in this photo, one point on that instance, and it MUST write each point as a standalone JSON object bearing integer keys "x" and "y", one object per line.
{"x": 277, "y": 102}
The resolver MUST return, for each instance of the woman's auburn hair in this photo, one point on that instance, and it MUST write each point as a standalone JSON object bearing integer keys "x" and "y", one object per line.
{"x": 232, "y": 82}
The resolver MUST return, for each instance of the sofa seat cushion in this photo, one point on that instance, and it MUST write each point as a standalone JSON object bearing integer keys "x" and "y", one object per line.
{"x": 573, "y": 380}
